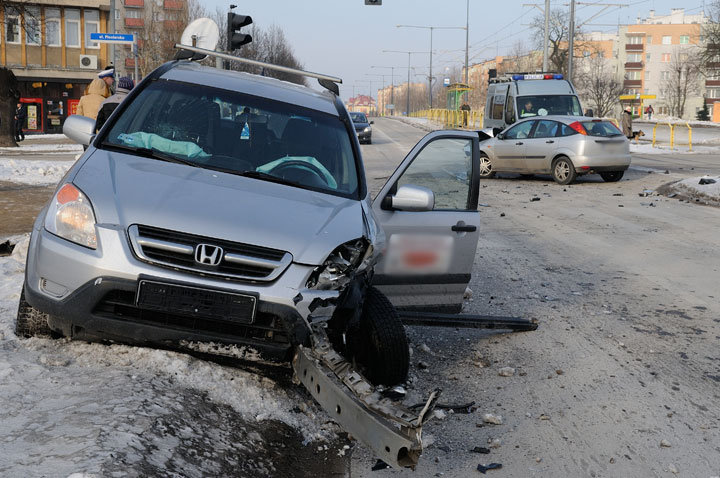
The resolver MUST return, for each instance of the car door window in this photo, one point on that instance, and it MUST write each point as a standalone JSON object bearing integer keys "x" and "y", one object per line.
{"x": 445, "y": 167}
{"x": 546, "y": 129}
{"x": 519, "y": 131}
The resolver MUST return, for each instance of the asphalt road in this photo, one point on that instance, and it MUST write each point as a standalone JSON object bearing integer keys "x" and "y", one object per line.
{"x": 622, "y": 378}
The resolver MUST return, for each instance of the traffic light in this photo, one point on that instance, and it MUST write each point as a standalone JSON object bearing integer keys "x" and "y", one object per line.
{"x": 234, "y": 24}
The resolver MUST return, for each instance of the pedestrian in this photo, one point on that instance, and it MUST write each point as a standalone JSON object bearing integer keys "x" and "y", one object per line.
{"x": 627, "y": 123}
{"x": 20, "y": 119}
{"x": 89, "y": 104}
{"x": 649, "y": 110}
{"x": 108, "y": 76}
{"x": 589, "y": 112}
{"x": 465, "y": 108}
{"x": 124, "y": 85}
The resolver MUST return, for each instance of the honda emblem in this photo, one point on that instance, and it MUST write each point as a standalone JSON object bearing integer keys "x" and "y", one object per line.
{"x": 208, "y": 254}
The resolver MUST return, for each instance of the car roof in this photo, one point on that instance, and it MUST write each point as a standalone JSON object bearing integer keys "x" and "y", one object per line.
{"x": 561, "y": 118}
{"x": 256, "y": 85}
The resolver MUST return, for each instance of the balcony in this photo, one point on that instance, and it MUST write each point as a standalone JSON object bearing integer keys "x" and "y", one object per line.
{"x": 634, "y": 65}
{"x": 633, "y": 47}
{"x": 174, "y": 4}
{"x": 135, "y": 3}
{"x": 632, "y": 83}
{"x": 173, "y": 24}
{"x": 134, "y": 22}
{"x": 712, "y": 82}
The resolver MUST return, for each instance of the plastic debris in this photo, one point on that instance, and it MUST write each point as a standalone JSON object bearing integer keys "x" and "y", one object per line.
{"x": 481, "y": 449}
{"x": 534, "y": 199}
{"x": 506, "y": 372}
{"x": 6, "y": 248}
{"x": 492, "y": 466}
{"x": 397, "y": 392}
{"x": 707, "y": 181}
{"x": 493, "y": 419}
{"x": 380, "y": 465}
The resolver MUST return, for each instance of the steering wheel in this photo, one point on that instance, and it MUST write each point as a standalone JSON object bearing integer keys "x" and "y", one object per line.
{"x": 301, "y": 168}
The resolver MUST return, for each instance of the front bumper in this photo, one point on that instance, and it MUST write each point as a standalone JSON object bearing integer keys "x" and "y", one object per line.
{"x": 363, "y": 136}
{"x": 91, "y": 294}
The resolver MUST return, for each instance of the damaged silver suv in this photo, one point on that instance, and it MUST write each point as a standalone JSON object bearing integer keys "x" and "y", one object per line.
{"x": 218, "y": 206}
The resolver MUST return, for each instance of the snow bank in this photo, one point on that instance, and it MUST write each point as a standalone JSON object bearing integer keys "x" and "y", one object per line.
{"x": 709, "y": 191}
{"x": 43, "y": 148}
{"x": 45, "y": 136}
{"x": 33, "y": 172}
{"x": 645, "y": 148}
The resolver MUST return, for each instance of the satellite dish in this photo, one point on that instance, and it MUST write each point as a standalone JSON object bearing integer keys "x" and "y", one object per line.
{"x": 202, "y": 33}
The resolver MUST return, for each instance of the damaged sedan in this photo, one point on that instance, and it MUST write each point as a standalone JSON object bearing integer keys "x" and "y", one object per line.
{"x": 223, "y": 207}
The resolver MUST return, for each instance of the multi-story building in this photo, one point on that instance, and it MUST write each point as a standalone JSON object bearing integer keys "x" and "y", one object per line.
{"x": 363, "y": 104}
{"x": 47, "y": 45}
{"x": 651, "y": 51}
{"x": 396, "y": 95}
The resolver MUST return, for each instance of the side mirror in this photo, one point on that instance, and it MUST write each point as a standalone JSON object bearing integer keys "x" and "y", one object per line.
{"x": 80, "y": 129}
{"x": 500, "y": 136}
{"x": 372, "y": 122}
{"x": 413, "y": 198}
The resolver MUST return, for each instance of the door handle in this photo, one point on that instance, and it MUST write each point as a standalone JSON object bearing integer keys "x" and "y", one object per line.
{"x": 518, "y": 143}
{"x": 463, "y": 228}
{"x": 550, "y": 141}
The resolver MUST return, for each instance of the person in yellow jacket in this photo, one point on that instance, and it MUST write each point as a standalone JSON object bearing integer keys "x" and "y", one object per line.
{"x": 89, "y": 104}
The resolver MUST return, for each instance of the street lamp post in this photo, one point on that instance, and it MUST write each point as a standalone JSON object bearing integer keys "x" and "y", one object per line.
{"x": 431, "y": 28}
{"x": 407, "y": 107}
{"x": 383, "y": 90}
{"x": 392, "y": 84}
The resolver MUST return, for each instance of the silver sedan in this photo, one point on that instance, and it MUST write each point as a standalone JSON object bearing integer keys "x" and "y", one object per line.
{"x": 563, "y": 146}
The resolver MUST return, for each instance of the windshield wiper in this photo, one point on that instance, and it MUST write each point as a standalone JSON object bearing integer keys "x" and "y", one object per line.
{"x": 269, "y": 177}
{"x": 150, "y": 153}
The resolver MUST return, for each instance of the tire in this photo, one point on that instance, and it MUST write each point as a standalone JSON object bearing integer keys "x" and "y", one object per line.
{"x": 486, "y": 171}
{"x": 612, "y": 176}
{"x": 31, "y": 322}
{"x": 379, "y": 344}
{"x": 563, "y": 171}
{"x": 369, "y": 141}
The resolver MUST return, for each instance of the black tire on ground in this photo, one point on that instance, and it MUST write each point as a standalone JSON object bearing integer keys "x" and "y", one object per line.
{"x": 380, "y": 345}
{"x": 612, "y": 176}
{"x": 563, "y": 170}
{"x": 31, "y": 322}
{"x": 369, "y": 141}
{"x": 486, "y": 171}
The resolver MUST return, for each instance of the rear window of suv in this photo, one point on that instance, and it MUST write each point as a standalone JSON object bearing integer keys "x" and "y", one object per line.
{"x": 239, "y": 134}
{"x": 601, "y": 128}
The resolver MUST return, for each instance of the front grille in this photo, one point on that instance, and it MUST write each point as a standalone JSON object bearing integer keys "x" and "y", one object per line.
{"x": 177, "y": 249}
{"x": 120, "y": 304}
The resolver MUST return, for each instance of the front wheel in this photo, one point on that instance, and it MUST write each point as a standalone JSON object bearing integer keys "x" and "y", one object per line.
{"x": 486, "y": 170}
{"x": 612, "y": 176}
{"x": 31, "y": 322}
{"x": 563, "y": 171}
{"x": 379, "y": 343}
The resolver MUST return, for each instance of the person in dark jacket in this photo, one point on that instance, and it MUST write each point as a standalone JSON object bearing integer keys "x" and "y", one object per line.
{"x": 20, "y": 118}
{"x": 124, "y": 85}
{"x": 627, "y": 123}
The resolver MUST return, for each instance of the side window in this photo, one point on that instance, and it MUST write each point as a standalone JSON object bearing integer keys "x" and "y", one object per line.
{"x": 546, "y": 129}
{"x": 566, "y": 130}
{"x": 520, "y": 131}
{"x": 443, "y": 166}
{"x": 497, "y": 109}
{"x": 510, "y": 110}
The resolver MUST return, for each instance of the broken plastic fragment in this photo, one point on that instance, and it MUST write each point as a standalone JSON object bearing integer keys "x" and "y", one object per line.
{"x": 492, "y": 466}
{"x": 481, "y": 449}
{"x": 380, "y": 465}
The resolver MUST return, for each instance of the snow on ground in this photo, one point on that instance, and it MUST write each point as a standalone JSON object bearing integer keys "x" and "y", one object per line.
{"x": 33, "y": 172}
{"x": 43, "y": 148}
{"x": 45, "y": 136}
{"x": 72, "y": 407}
{"x": 647, "y": 148}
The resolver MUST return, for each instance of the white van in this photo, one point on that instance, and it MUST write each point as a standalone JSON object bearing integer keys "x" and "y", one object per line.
{"x": 518, "y": 96}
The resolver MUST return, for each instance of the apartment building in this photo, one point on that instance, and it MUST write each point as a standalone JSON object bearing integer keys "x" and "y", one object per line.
{"x": 396, "y": 95}
{"x": 648, "y": 52}
{"x": 47, "y": 45}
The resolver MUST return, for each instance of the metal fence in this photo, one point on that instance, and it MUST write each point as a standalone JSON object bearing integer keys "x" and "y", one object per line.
{"x": 453, "y": 119}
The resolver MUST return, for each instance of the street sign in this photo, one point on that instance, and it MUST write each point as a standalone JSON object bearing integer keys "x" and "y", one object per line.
{"x": 112, "y": 37}
{"x": 390, "y": 107}
{"x": 446, "y": 81}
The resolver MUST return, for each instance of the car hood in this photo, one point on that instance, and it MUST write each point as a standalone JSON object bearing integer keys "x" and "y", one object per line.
{"x": 126, "y": 190}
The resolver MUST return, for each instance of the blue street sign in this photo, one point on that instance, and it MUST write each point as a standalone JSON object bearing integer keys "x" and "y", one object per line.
{"x": 112, "y": 37}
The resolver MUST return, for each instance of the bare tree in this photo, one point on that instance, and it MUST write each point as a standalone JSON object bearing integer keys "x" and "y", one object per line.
{"x": 681, "y": 80}
{"x": 599, "y": 84}
{"x": 162, "y": 29}
{"x": 9, "y": 95}
{"x": 558, "y": 37}
{"x": 709, "y": 56}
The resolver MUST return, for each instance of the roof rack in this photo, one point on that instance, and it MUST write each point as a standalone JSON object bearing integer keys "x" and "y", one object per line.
{"x": 326, "y": 81}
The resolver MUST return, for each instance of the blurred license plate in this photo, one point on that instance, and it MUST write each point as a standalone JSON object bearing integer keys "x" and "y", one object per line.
{"x": 196, "y": 302}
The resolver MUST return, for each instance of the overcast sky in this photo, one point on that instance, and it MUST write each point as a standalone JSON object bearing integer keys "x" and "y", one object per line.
{"x": 346, "y": 37}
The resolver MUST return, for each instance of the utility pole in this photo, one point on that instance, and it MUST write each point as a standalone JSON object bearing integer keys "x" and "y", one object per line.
{"x": 547, "y": 35}
{"x": 392, "y": 85}
{"x": 407, "y": 111}
{"x": 383, "y": 91}
{"x": 467, "y": 50}
{"x": 571, "y": 43}
{"x": 431, "y": 28}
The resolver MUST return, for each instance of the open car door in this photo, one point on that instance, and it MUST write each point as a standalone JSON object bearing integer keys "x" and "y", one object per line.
{"x": 428, "y": 210}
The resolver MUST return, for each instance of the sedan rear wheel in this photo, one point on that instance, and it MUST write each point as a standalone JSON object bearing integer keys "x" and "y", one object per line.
{"x": 563, "y": 171}
{"x": 612, "y": 176}
{"x": 486, "y": 171}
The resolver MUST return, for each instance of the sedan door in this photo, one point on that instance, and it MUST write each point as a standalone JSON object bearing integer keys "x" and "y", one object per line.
{"x": 510, "y": 148}
{"x": 541, "y": 146}
{"x": 428, "y": 210}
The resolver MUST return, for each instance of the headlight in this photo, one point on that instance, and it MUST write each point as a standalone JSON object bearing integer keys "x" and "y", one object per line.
{"x": 337, "y": 269}
{"x": 368, "y": 129}
{"x": 71, "y": 217}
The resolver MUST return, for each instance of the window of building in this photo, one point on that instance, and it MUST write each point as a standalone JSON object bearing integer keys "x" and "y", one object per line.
{"x": 634, "y": 57}
{"x": 648, "y": 40}
{"x": 12, "y": 25}
{"x": 52, "y": 26}
{"x": 684, "y": 39}
{"x": 647, "y": 75}
{"x": 635, "y": 40}
{"x": 633, "y": 75}
{"x": 667, "y": 40}
{"x": 647, "y": 57}
{"x": 32, "y": 26}
{"x": 713, "y": 75}
{"x": 713, "y": 92}
{"x": 601, "y": 54}
{"x": 664, "y": 75}
{"x": 133, "y": 13}
{"x": 586, "y": 53}
{"x": 665, "y": 58}
{"x": 92, "y": 25}
{"x": 72, "y": 28}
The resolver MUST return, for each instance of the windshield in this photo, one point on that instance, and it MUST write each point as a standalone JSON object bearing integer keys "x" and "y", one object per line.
{"x": 239, "y": 134}
{"x": 358, "y": 117}
{"x": 542, "y": 105}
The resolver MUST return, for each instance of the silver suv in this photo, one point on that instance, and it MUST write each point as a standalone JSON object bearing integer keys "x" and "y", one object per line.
{"x": 224, "y": 207}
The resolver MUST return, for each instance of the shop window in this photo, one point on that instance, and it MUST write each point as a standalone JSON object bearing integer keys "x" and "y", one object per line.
{"x": 72, "y": 28}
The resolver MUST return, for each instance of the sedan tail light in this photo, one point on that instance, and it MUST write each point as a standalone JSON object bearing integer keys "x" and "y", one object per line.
{"x": 578, "y": 127}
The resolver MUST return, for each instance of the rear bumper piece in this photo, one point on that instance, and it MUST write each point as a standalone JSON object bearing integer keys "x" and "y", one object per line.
{"x": 390, "y": 430}
{"x": 600, "y": 169}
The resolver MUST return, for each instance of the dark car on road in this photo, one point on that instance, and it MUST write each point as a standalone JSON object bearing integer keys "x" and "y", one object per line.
{"x": 362, "y": 127}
